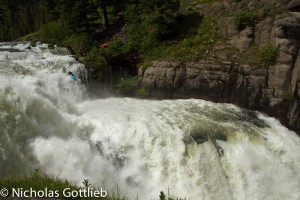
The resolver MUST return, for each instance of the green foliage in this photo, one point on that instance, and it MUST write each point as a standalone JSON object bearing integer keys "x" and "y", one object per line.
{"x": 128, "y": 85}
{"x": 38, "y": 181}
{"x": 33, "y": 43}
{"x": 96, "y": 60}
{"x": 19, "y": 18}
{"x": 116, "y": 47}
{"x": 242, "y": 19}
{"x": 145, "y": 64}
{"x": 53, "y": 32}
{"x": 187, "y": 24}
{"x": 79, "y": 16}
{"x": 150, "y": 22}
{"x": 162, "y": 196}
{"x": 88, "y": 15}
{"x": 73, "y": 14}
{"x": 5, "y": 19}
{"x": 190, "y": 36}
{"x": 268, "y": 54}
{"x": 86, "y": 183}
{"x": 79, "y": 39}
{"x": 142, "y": 92}
{"x": 272, "y": 12}
{"x": 197, "y": 43}
{"x": 99, "y": 59}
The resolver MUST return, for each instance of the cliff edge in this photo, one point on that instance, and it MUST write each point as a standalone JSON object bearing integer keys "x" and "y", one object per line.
{"x": 237, "y": 68}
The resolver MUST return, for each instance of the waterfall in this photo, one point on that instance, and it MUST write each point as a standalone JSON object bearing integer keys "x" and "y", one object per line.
{"x": 60, "y": 51}
{"x": 192, "y": 149}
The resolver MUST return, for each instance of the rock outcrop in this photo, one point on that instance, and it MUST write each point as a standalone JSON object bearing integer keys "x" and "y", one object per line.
{"x": 273, "y": 89}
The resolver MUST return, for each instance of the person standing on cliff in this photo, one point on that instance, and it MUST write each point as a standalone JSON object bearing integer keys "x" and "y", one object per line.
{"x": 82, "y": 51}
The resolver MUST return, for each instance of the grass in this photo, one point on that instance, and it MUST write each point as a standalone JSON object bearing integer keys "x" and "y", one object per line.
{"x": 128, "y": 85}
{"x": 243, "y": 19}
{"x": 268, "y": 54}
{"x": 142, "y": 93}
{"x": 44, "y": 184}
{"x": 193, "y": 41}
{"x": 38, "y": 182}
{"x": 272, "y": 12}
{"x": 76, "y": 40}
{"x": 28, "y": 36}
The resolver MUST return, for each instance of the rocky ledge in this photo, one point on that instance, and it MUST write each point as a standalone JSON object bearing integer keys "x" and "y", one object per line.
{"x": 221, "y": 77}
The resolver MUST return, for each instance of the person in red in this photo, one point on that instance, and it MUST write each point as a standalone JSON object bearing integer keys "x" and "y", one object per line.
{"x": 105, "y": 45}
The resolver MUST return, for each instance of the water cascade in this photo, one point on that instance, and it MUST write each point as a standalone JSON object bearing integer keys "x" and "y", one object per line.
{"x": 192, "y": 149}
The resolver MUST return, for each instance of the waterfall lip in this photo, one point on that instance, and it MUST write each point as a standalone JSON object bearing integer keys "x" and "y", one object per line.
{"x": 22, "y": 46}
{"x": 11, "y": 50}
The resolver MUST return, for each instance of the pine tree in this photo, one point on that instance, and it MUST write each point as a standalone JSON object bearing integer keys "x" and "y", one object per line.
{"x": 5, "y": 19}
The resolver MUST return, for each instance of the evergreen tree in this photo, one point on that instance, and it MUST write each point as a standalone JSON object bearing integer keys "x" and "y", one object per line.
{"x": 5, "y": 19}
{"x": 158, "y": 15}
{"x": 104, "y": 11}
{"x": 20, "y": 17}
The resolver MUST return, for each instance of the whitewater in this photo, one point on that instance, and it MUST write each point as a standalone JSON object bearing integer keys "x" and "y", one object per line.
{"x": 191, "y": 149}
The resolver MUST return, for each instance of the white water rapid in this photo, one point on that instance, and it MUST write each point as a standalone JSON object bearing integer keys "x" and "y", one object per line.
{"x": 191, "y": 149}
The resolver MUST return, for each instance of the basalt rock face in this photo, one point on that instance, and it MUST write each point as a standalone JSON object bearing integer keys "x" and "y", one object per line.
{"x": 272, "y": 89}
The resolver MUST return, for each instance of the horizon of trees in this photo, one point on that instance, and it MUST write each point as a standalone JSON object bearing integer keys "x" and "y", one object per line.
{"x": 21, "y": 17}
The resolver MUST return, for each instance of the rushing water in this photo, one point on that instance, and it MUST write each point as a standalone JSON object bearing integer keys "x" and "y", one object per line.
{"x": 192, "y": 149}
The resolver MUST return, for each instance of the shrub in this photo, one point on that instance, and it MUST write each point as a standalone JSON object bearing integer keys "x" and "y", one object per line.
{"x": 272, "y": 12}
{"x": 149, "y": 22}
{"x": 98, "y": 62}
{"x": 33, "y": 43}
{"x": 197, "y": 43}
{"x": 242, "y": 19}
{"x": 76, "y": 40}
{"x": 268, "y": 54}
{"x": 162, "y": 196}
{"x": 95, "y": 58}
{"x": 53, "y": 32}
{"x": 142, "y": 92}
{"x": 128, "y": 85}
{"x": 116, "y": 47}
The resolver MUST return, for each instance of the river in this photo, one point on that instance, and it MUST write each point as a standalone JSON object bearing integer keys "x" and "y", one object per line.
{"x": 192, "y": 149}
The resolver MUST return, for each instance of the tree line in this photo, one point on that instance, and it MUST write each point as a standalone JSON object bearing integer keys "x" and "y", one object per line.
{"x": 20, "y": 17}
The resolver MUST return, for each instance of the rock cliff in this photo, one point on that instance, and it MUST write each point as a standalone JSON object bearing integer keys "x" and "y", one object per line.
{"x": 237, "y": 76}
